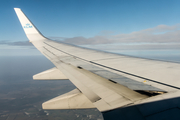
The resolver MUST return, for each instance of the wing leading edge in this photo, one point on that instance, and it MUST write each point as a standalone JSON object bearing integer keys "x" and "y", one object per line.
{"x": 104, "y": 80}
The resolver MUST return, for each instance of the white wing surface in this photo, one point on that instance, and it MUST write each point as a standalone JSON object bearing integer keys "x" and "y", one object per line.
{"x": 104, "y": 80}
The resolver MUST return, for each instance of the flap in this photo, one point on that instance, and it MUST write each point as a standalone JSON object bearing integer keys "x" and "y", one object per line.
{"x": 51, "y": 74}
{"x": 71, "y": 100}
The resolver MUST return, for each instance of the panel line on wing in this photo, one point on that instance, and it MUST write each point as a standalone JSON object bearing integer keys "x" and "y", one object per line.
{"x": 64, "y": 52}
{"x": 113, "y": 77}
{"x": 49, "y": 51}
{"x": 136, "y": 75}
{"x": 115, "y": 69}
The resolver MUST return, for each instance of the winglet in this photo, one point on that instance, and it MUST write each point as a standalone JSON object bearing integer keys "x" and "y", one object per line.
{"x": 30, "y": 30}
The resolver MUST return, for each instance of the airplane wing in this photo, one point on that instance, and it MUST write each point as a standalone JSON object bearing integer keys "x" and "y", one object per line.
{"x": 119, "y": 86}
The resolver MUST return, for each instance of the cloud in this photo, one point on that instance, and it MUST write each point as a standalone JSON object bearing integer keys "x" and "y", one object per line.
{"x": 17, "y": 43}
{"x": 158, "y": 34}
{"x": 83, "y": 41}
{"x": 145, "y": 46}
{"x": 159, "y": 37}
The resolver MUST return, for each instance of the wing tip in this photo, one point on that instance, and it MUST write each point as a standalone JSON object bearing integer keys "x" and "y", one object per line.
{"x": 30, "y": 30}
{"x": 17, "y": 9}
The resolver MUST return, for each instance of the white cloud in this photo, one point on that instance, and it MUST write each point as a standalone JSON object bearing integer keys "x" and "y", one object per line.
{"x": 158, "y": 34}
{"x": 159, "y": 37}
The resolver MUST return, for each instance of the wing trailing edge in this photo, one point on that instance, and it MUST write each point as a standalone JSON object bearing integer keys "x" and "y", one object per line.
{"x": 71, "y": 100}
{"x": 51, "y": 74}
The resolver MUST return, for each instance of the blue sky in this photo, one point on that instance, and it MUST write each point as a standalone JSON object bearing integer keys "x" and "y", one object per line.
{"x": 94, "y": 21}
